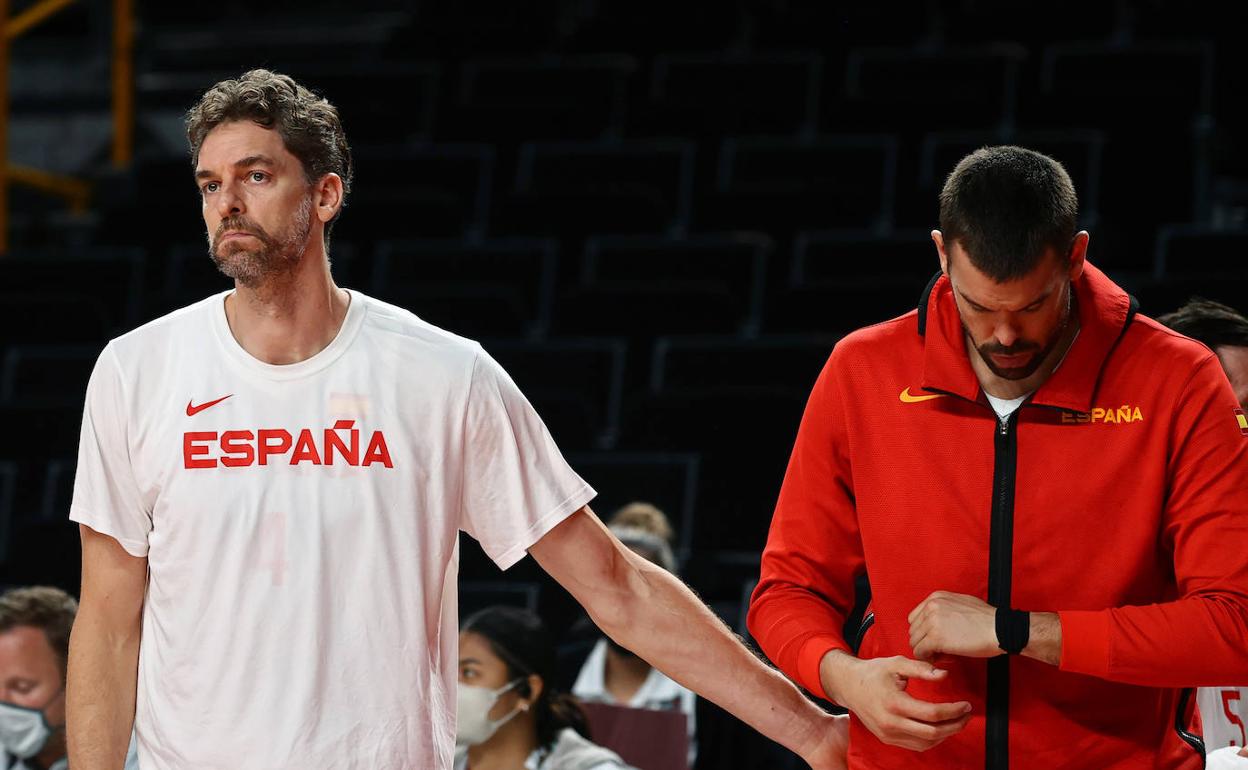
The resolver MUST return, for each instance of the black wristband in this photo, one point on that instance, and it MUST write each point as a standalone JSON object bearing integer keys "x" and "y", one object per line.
{"x": 1013, "y": 630}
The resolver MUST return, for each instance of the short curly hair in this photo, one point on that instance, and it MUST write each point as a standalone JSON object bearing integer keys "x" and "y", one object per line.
{"x": 51, "y": 610}
{"x": 308, "y": 124}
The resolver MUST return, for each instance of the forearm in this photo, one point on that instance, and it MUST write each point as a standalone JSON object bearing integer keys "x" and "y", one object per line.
{"x": 100, "y": 695}
{"x": 661, "y": 620}
{"x": 1191, "y": 642}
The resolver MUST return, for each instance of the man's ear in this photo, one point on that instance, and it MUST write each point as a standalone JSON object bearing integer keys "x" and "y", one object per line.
{"x": 327, "y": 197}
{"x": 939, "y": 239}
{"x": 1078, "y": 254}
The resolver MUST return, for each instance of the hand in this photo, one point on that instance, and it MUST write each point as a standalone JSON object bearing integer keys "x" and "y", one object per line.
{"x": 955, "y": 624}
{"x": 832, "y": 746}
{"x": 875, "y": 690}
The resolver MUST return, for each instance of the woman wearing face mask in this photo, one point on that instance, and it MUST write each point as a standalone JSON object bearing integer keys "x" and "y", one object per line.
{"x": 509, "y": 717}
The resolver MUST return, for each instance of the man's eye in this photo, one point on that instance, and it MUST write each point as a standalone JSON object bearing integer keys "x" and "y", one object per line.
{"x": 258, "y": 176}
{"x": 211, "y": 187}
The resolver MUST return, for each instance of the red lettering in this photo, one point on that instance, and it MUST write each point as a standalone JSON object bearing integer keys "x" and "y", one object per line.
{"x": 378, "y": 451}
{"x": 237, "y": 442}
{"x": 192, "y": 448}
{"x": 268, "y": 448}
{"x": 305, "y": 449}
{"x": 333, "y": 440}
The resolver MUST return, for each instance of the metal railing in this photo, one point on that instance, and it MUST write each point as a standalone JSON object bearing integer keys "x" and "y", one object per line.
{"x": 74, "y": 191}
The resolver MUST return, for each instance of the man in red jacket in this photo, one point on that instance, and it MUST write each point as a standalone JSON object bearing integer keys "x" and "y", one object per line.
{"x": 1042, "y": 486}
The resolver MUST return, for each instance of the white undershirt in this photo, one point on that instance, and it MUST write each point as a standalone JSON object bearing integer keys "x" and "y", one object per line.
{"x": 1004, "y": 407}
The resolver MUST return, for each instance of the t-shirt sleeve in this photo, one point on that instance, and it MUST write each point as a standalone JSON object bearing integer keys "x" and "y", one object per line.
{"x": 107, "y": 497}
{"x": 516, "y": 484}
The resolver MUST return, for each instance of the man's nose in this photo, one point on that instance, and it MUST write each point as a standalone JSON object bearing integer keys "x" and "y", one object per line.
{"x": 228, "y": 202}
{"x": 1006, "y": 333}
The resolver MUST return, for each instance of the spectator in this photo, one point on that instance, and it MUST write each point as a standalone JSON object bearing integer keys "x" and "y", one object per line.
{"x": 34, "y": 646}
{"x": 509, "y": 714}
{"x": 1223, "y": 710}
{"x": 613, "y": 674}
{"x": 1224, "y": 331}
{"x": 34, "y": 643}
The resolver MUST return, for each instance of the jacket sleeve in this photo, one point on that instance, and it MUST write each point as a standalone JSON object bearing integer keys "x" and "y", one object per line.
{"x": 813, "y": 553}
{"x": 1200, "y": 638}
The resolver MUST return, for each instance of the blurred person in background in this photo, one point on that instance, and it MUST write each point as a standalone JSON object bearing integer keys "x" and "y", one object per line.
{"x": 270, "y": 486}
{"x": 1223, "y": 710}
{"x": 509, "y": 714}
{"x": 35, "y": 626}
{"x": 1223, "y": 330}
{"x": 34, "y": 644}
{"x": 612, "y": 674}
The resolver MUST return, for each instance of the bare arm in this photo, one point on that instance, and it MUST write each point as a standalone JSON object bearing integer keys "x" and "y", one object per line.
{"x": 104, "y": 654}
{"x": 649, "y": 611}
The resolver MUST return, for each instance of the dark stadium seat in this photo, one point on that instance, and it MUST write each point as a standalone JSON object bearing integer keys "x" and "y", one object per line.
{"x": 642, "y": 286}
{"x": 1194, "y": 251}
{"x": 34, "y": 374}
{"x": 1076, "y": 79}
{"x": 575, "y": 384}
{"x": 738, "y": 402}
{"x": 379, "y": 105}
{"x": 668, "y": 480}
{"x": 786, "y": 184}
{"x": 74, "y": 297}
{"x": 840, "y": 281}
{"x": 898, "y": 89}
{"x": 476, "y": 595}
{"x": 423, "y": 191}
{"x": 1080, "y": 77}
{"x": 545, "y": 98}
{"x": 8, "y": 489}
{"x": 700, "y": 95}
{"x": 571, "y": 189}
{"x": 58, "y": 490}
{"x": 496, "y": 288}
{"x": 39, "y": 432}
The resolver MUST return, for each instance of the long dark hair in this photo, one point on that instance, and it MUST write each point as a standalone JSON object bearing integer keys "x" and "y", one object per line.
{"x": 521, "y": 640}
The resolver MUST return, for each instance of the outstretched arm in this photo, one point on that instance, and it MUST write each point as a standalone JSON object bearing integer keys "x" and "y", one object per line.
{"x": 649, "y": 611}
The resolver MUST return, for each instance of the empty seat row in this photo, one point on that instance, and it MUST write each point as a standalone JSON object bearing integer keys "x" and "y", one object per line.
{"x": 596, "y": 96}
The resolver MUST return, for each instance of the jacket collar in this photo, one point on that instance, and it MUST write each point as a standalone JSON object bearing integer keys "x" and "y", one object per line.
{"x": 1105, "y": 311}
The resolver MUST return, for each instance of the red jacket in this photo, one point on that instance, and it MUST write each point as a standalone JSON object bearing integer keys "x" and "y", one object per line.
{"x": 1128, "y": 473}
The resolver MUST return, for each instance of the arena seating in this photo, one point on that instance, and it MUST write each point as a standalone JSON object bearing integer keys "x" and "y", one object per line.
{"x": 660, "y": 218}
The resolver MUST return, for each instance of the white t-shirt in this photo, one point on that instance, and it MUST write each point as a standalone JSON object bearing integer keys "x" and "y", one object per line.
{"x": 301, "y": 528}
{"x": 1223, "y": 716}
{"x": 1004, "y": 407}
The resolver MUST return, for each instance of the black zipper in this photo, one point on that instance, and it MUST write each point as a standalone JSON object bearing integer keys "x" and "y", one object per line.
{"x": 1180, "y": 724}
{"x": 863, "y": 627}
{"x": 1000, "y": 566}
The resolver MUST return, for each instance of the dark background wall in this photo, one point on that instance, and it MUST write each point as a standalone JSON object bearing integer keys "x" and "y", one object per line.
{"x": 659, "y": 216}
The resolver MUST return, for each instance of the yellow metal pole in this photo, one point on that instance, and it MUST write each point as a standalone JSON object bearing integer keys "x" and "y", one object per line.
{"x": 33, "y": 15}
{"x": 123, "y": 82}
{"x": 4, "y": 126}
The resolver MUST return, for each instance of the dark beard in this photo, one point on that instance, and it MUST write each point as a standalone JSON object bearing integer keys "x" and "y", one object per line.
{"x": 1023, "y": 372}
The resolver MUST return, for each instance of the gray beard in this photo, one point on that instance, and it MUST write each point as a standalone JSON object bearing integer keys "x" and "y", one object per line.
{"x": 254, "y": 267}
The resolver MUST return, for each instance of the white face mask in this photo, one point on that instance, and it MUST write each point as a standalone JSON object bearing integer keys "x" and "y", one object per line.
{"x": 24, "y": 731}
{"x": 473, "y": 725}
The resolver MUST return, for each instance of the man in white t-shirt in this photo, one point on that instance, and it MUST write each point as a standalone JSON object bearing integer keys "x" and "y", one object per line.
{"x": 270, "y": 487}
